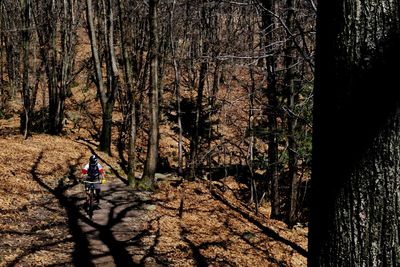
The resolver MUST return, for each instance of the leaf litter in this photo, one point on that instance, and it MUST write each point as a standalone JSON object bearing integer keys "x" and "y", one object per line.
{"x": 188, "y": 224}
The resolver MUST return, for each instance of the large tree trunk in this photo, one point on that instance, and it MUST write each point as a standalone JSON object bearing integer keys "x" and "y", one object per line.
{"x": 97, "y": 63}
{"x": 112, "y": 81}
{"x": 356, "y": 154}
{"x": 152, "y": 145}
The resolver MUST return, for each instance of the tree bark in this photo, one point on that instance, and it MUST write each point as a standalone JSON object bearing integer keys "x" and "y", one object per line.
{"x": 152, "y": 145}
{"x": 355, "y": 214}
{"x": 69, "y": 25}
{"x": 204, "y": 49}
{"x": 291, "y": 121}
{"x": 107, "y": 94}
{"x": 177, "y": 90}
{"x": 198, "y": 121}
{"x": 27, "y": 112}
{"x": 131, "y": 92}
{"x": 268, "y": 25}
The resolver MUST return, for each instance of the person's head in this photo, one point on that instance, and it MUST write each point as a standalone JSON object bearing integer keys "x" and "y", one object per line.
{"x": 93, "y": 160}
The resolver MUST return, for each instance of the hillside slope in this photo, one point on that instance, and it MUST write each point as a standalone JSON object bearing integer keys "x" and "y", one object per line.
{"x": 42, "y": 222}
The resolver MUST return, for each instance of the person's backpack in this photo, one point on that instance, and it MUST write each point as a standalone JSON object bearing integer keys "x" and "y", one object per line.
{"x": 93, "y": 172}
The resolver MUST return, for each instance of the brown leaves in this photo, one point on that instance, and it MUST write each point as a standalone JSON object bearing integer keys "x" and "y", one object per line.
{"x": 213, "y": 232}
{"x": 215, "y": 228}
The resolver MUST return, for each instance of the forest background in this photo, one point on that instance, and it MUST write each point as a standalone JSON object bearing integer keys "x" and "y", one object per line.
{"x": 230, "y": 85}
{"x": 204, "y": 90}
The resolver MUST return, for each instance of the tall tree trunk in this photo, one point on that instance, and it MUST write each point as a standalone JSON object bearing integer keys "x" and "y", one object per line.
{"x": 198, "y": 120}
{"x": 68, "y": 39}
{"x": 291, "y": 121}
{"x": 200, "y": 91}
{"x": 112, "y": 78}
{"x": 179, "y": 111}
{"x": 131, "y": 92}
{"x": 355, "y": 213}
{"x": 51, "y": 68}
{"x": 177, "y": 90}
{"x": 152, "y": 145}
{"x": 268, "y": 25}
{"x": 107, "y": 93}
{"x": 132, "y": 144}
{"x": 252, "y": 89}
{"x": 95, "y": 53}
{"x": 26, "y": 114}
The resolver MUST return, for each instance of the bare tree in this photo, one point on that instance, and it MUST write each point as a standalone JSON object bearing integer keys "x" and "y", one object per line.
{"x": 11, "y": 35}
{"x": 177, "y": 86}
{"x": 107, "y": 91}
{"x": 153, "y": 139}
{"x": 57, "y": 21}
{"x": 133, "y": 39}
{"x": 290, "y": 83}
{"x": 130, "y": 92}
{"x": 26, "y": 115}
{"x": 268, "y": 27}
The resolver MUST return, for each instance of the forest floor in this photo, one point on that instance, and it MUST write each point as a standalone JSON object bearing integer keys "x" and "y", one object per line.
{"x": 42, "y": 222}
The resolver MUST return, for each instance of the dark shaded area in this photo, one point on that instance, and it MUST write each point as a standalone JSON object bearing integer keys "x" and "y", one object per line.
{"x": 188, "y": 117}
{"x": 355, "y": 105}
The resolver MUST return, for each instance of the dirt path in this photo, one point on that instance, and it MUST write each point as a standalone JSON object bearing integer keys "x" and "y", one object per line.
{"x": 42, "y": 220}
{"x": 113, "y": 235}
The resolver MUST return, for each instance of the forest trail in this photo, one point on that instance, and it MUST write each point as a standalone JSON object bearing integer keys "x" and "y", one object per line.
{"x": 111, "y": 235}
{"x": 42, "y": 220}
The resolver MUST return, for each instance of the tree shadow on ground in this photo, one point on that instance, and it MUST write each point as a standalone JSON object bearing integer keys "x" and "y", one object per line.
{"x": 196, "y": 249}
{"x": 268, "y": 231}
{"x": 84, "y": 231}
{"x": 115, "y": 235}
{"x": 200, "y": 243}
